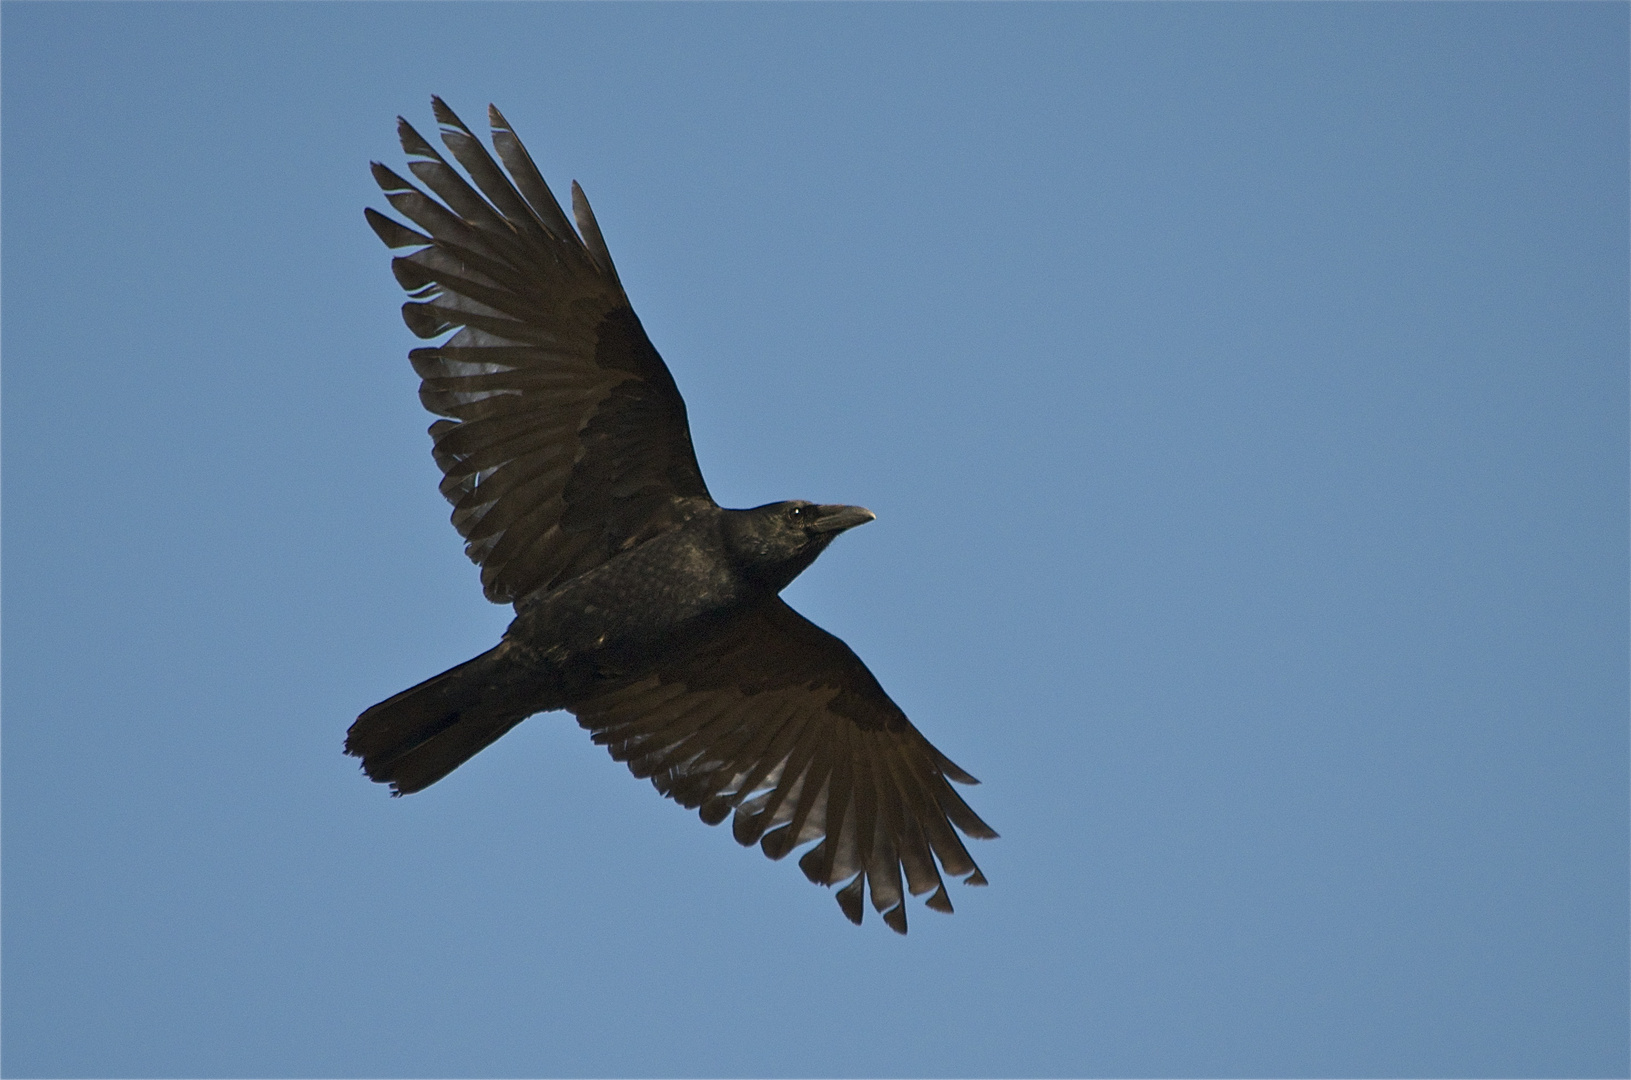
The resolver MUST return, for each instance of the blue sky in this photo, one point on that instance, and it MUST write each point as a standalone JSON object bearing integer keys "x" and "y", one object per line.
{"x": 1242, "y": 392}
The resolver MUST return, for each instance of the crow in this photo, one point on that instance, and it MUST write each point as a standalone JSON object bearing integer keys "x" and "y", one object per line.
{"x": 641, "y": 605}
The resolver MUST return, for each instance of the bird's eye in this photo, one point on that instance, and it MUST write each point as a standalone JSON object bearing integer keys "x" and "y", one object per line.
{"x": 798, "y": 513}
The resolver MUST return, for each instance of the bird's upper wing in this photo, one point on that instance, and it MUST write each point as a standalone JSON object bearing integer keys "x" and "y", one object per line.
{"x": 779, "y": 720}
{"x": 565, "y": 439}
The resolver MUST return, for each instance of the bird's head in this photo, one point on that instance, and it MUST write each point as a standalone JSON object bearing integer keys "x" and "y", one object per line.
{"x": 774, "y": 543}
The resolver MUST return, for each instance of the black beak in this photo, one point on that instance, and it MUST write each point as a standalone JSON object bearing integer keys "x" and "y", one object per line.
{"x": 835, "y": 519}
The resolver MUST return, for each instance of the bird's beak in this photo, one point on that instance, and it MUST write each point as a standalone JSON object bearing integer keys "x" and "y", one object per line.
{"x": 835, "y": 519}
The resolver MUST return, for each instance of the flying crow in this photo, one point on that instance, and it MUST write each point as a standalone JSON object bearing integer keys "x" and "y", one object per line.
{"x": 641, "y": 605}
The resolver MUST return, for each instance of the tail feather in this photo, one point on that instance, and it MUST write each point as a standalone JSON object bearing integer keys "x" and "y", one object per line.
{"x": 417, "y": 737}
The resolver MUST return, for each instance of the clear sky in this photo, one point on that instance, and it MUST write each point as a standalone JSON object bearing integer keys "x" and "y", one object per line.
{"x": 1242, "y": 393}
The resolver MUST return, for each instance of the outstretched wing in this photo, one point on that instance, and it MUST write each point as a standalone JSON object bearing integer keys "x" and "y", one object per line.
{"x": 566, "y": 439}
{"x": 779, "y": 720}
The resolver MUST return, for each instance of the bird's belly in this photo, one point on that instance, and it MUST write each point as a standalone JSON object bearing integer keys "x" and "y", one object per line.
{"x": 628, "y": 610}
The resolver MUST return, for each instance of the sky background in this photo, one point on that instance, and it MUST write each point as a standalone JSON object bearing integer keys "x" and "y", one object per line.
{"x": 1242, "y": 392}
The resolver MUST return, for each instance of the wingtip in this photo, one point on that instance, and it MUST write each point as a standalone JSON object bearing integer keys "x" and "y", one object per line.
{"x": 445, "y": 116}
{"x": 589, "y": 233}
{"x": 814, "y": 865}
{"x": 422, "y": 322}
{"x": 747, "y": 829}
{"x": 413, "y": 144}
{"x": 391, "y": 233}
{"x": 777, "y": 843}
{"x": 895, "y": 918}
{"x": 715, "y": 810}
{"x": 387, "y": 179}
{"x": 952, "y": 771}
{"x": 849, "y": 899}
{"x": 976, "y": 828}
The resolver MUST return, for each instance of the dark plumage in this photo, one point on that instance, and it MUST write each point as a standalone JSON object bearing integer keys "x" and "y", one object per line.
{"x": 641, "y": 605}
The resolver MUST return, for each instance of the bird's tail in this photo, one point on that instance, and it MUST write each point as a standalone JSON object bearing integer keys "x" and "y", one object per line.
{"x": 419, "y": 736}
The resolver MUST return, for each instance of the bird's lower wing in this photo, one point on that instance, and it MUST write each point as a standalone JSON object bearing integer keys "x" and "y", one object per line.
{"x": 778, "y": 720}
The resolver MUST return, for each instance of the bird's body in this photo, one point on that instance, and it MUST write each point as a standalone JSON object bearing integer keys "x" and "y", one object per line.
{"x": 641, "y": 605}
{"x": 640, "y": 598}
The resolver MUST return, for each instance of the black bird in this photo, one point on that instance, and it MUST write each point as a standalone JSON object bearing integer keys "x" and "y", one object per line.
{"x": 641, "y": 605}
